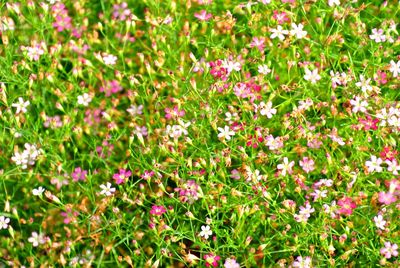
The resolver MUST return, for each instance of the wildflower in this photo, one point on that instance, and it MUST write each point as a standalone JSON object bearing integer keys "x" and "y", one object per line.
{"x": 264, "y": 69}
{"x": 203, "y": 15}
{"x": 389, "y": 250}
{"x": 258, "y": 43}
{"x": 157, "y": 210}
{"x": 280, "y": 17}
{"x": 395, "y": 68}
{"x": 301, "y": 262}
{"x": 374, "y": 164}
{"x": 211, "y": 259}
{"x": 189, "y": 191}
{"x": 279, "y": 32}
{"x": 286, "y": 167}
{"x": 304, "y": 213}
{"x": 107, "y": 190}
{"x": 231, "y": 65}
{"x": 69, "y": 215}
{"x": 225, "y": 133}
{"x": 266, "y": 109}
{"x": 307, "y": 164}
{"x": 205, "y": 231}
{"x": 62, "y": 23}
{"x": 393, "y": 166}
{"x": 79, "y": 174}
{"x": 84, "y": 99}
{"x": 364, "y": 84}
{"x": 359, "y": 105}
{"x": 312, "y": 76}
{"x": 231, "y": 263}
{"x": 21, "y": 105}
{"x": 346, "y": 206}
{"x": 379, "y": 222}
{"x": 4, "y": 222}
{"x": 369, "y": 123}
{"x": 122, "y": 176}
{"x": 386, "y": 198}
{"x": 378, "y": 35}
{"x": 173, "y": 113}
{"x": 121, "y": 11}
{"x": 134, "y": 110}
{"x": 37, "y": 239}
{"x": 109, "y": 59}
{"x": 38, "y": 191}
{"x": 297, "y": 30}
{"x": 332, "y": 3}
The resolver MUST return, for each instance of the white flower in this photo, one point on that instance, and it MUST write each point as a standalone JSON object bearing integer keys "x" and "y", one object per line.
{"x": 297, "y": 30}
{"x": 205, "y": 231}
{"x": 393, "y": 166}
{"x": 225, "y": 133}
{"x": 374, "y": 164}
{"x": 359, "y": 105}
{"x": 395, "y": 68}
{"x": 264, "y": 69}
{"x": 286, "y": 167}
{"x": 312, "y": 76}
{"x": 20, "y": 159}
{"x": 107, "y": 190}
{"x": 4, "y": 222}
{"x": 21, "y": 105}
{"x": 279, "y": 32}
{"x": 231, "y": 66}
{"x": 364, "y": 84}
{"x": 378, "y": 35}
{"x": 266, "y": 109}
{"x": 84, "y": 99}
{"x": 37, "y": 239}
{"x": 109, "y": 59}
{"x": 379, "y": 222}
{"x": 38, "y": 191}
{"x": 332, "y": 3}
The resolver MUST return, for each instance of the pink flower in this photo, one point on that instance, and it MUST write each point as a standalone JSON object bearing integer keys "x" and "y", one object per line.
{"x": 157, "y": 210}
{"x": 122, "y": 176}
{"x": 258, "y": 43}
{"x": 69, "y": 215}
{"x": 79, "y": 174}
{"x": 203, "y": 15}
{"x": 346, "y": 206}
{"x": 173, "y": 113}
{"x": 389, "y": 250}
{"x": 62, "y": 23}
{"x": 386, "y": 198}
{"x": 211, "y": 259}
{"x": 307, "y": 164}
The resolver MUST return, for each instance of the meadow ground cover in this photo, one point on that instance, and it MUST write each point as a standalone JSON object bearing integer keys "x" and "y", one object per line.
{"x": 199, "y": 133}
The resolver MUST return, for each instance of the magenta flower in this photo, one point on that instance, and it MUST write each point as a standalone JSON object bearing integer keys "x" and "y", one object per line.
{"x": 346, "y": 206}
{"x": 173, "y": 113}
{"x": 79, "y": 174}
{"x": 69, "y": 215}
{"x": 122, "y": 176}
{"x": 157, "y": 210}
{"x": 389, "y": 250}
{"x": 211, "y": 259}
{"x": 203, "y": 15}
{"x": 387, "y": 198}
